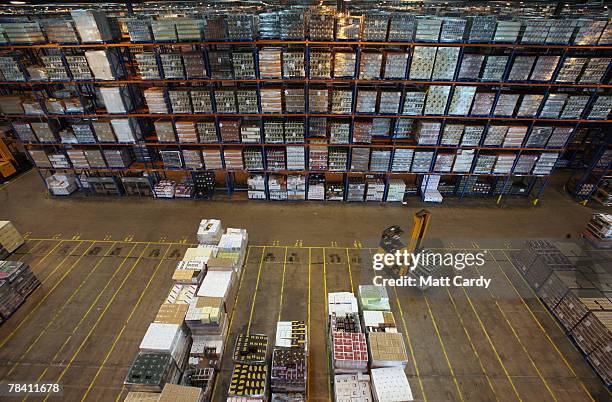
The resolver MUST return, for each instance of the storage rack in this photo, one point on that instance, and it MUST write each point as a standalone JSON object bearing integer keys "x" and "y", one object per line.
{"x": 583, "y": 183}
{"x": 233, "y": 179}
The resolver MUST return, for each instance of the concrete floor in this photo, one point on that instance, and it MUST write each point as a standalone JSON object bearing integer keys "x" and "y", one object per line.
{"x": 106, "y": 270}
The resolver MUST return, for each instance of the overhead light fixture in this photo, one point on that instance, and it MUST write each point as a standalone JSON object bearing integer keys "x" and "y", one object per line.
{"x": 18, "y": 3}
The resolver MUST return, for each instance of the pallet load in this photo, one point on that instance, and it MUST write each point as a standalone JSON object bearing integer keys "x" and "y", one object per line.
{"x": 248, "y": 383}
{"x": 135, "y": 396}
{"x": 348, "y": 343}
{"x": 20, "y": 276}
{"x": 189, "y": 272}
{"x": 373, "y": 297}
{"x": 232, "y": 246}
{"x": 289, "y": 373}
{"x": 17, "y": 282}
{"x": 202, "y": 378}
{"x": 379, "y": 321}
{"x": 390, "y": 384}
{"x": 250, "y": 375}
{"x": 209, "y": 231}
{"x": 352, "y": 388}
{"x": 151, "y": 371}
{"x": 342, "y": 303}
{"x": 251, "y": 349}
{"x": 181, "y": 393}
{"x": 10, "y": 238}
{"x": 599, "y": 231}
{"x": 387, "y": 350}
{"x": 576, "y": 295}
{"x": 188, "y": 333}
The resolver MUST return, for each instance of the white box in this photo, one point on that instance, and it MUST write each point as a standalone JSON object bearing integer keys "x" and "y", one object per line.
{"x": 390, "y": 384}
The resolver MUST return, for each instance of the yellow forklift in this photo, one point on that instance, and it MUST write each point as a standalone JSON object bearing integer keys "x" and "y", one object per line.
{"x": 8, "y": 164}
{"x": 391, "y": 241}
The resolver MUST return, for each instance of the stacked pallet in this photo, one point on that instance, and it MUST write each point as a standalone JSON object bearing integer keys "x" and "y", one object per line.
{"x": 289, "y": 371}
{"x": 599, "y": 230}
{"x": 576, "y": 295}
{"x": 186, "y": 339}
{"x": 250, "y": 374}
{"x": 17, "y": 282}
{"x": 10, "y": 238}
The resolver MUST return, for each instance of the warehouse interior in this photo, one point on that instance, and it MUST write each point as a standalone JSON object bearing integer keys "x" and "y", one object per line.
{"x": 193, "y": 198}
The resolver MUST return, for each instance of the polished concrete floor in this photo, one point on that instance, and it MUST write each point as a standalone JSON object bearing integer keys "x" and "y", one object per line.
{"x": 106, "y": 265}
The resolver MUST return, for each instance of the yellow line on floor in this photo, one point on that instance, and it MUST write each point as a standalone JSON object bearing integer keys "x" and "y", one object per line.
{"x": 326, "y": 320}
{"x": 61, "y": 308}
{"x": 41, "y": 301}
{"x": 280, "y": 303}
{"x": 37, "y": 263}
{"x": 263, "y": 253}
{"x": 518, "y": 338}
{"x": 125, "y": 324}
{"x": 229, "y": 326}
{"x": 472, "y": 346}
{"x": 310, "y": 378}
{"x": 348, "y": 261}
{"x": 88, "y": 336}
{"x": 484, "y": 330}
{"x": 416, "y": 367}
{"x": 450, "y": 366}
{"x": 27, "y": 253}
{"x": 535, "y": 319}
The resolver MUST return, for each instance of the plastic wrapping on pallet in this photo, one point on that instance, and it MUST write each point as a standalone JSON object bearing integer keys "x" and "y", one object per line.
{"x": 92, "y": 25}
{"x": 387, "y": 349}
{"x": 352, "y": 388}
{"x": 390, "y": 384}
{"x": 209, "y": 231}
{"x": 151, "y": 371}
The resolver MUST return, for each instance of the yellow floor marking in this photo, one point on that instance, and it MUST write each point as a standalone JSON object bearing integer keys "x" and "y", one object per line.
{"x": 263, "y": 253}
{"x": 280, "y": 304}
{"x": 484, "y": 330}
{"x": 125, "y": 324}
{"x": 229, "y": 326}
{"x": 64, "y": 304}
{"x": 450, "y": 366}
{"x": 518, "y": 338}
{"x": 91, "y": 306}
{"x": 407, "y": 333}
{"x": 100, "y": 317}
{"x": 535, "y": 319}
{"x": 326, "y": 320}
{"x": 472, "y": 346}
{"x": 110, "y": 241}
{"x": 310, "y": 378}
{"x": 348, "y": 261}
{"x": 29, "y": 252}
{"x": 41, "y": 301}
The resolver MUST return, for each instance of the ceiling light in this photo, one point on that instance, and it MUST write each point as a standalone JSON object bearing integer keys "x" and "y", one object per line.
{"x": 18, "y": 3}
